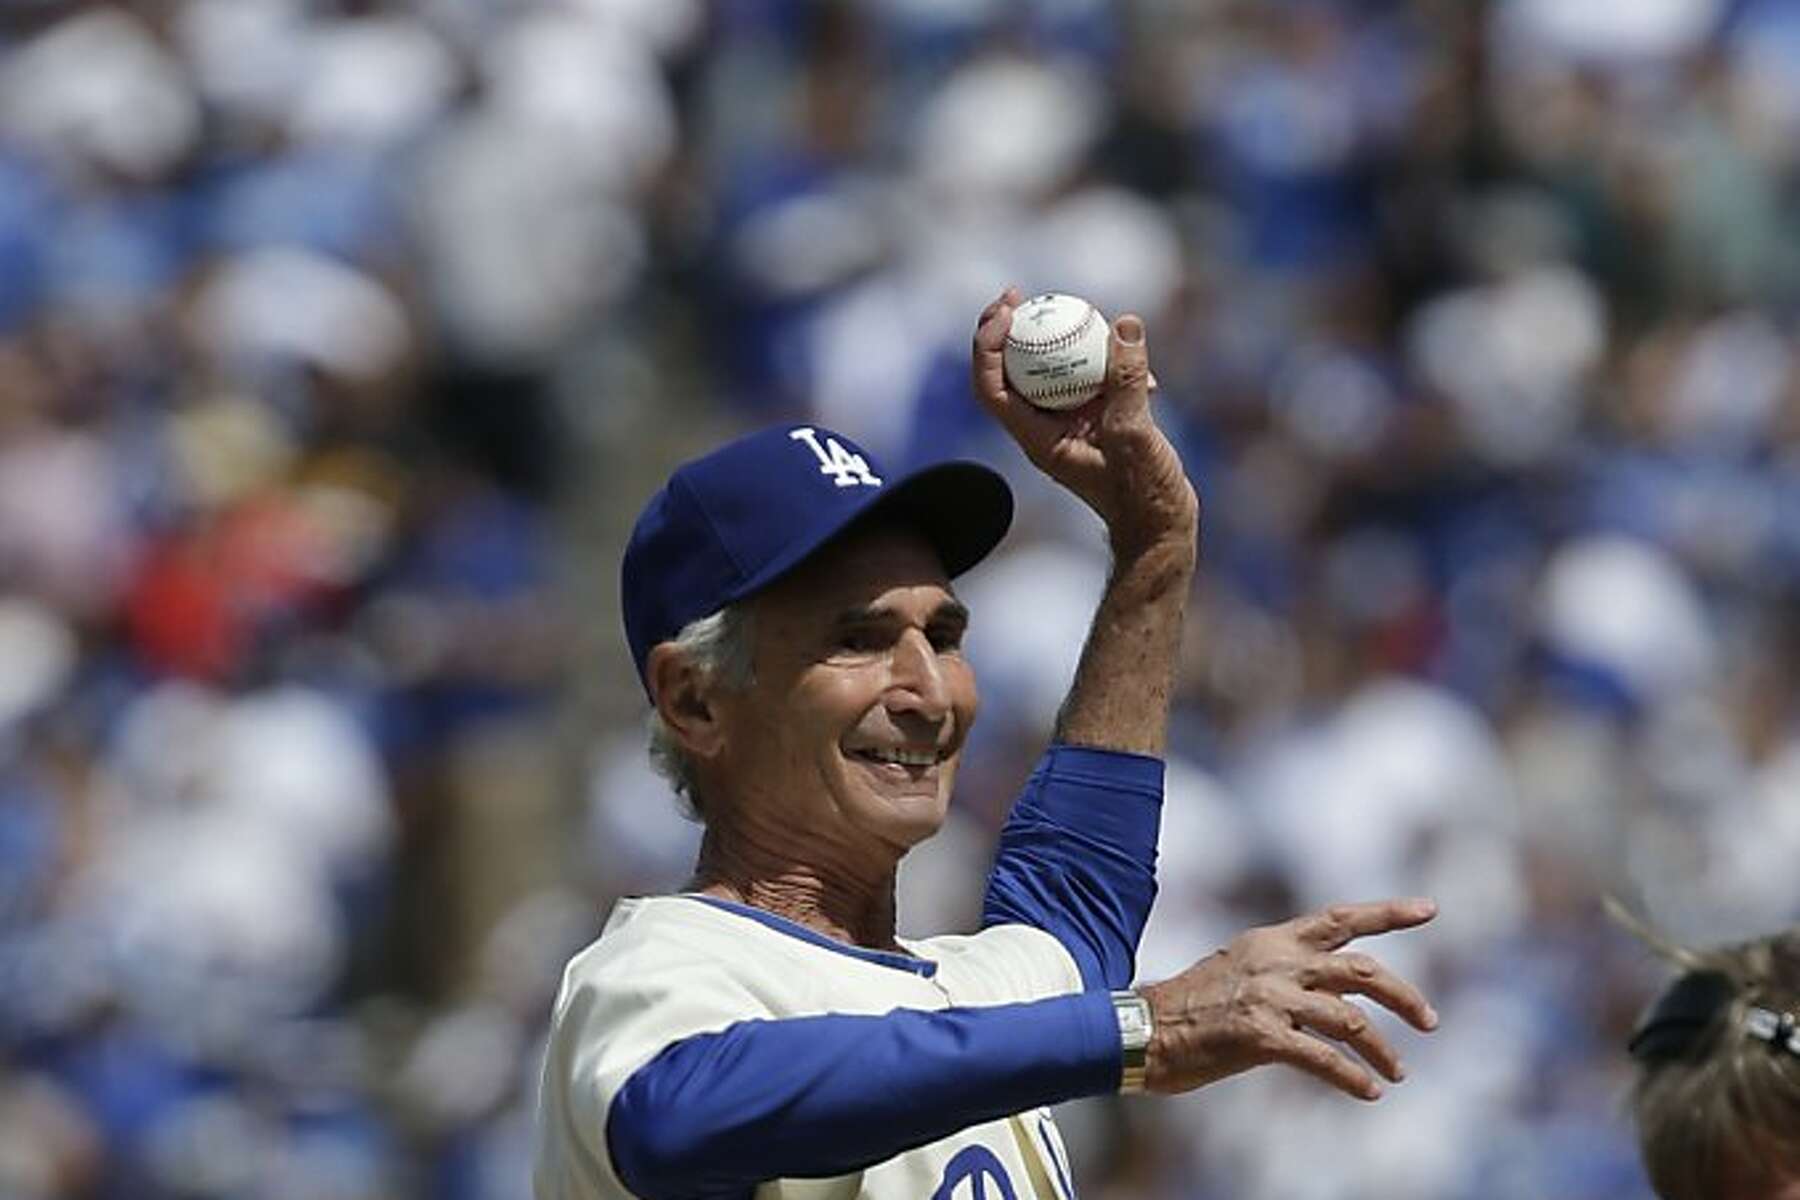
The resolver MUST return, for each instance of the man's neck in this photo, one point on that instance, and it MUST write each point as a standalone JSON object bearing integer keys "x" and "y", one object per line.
{"x": 842, "y": 906}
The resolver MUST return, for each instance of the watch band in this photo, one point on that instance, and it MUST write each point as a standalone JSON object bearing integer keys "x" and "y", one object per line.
{"x": 1135, "y": 1027}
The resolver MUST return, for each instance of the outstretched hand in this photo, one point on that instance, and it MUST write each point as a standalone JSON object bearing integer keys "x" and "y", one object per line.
{"x": 1109, "y": 451}
{"x": 1276, "y": 995}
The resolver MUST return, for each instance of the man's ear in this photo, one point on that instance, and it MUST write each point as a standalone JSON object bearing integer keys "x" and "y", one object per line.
{"x": 683, "y": 696}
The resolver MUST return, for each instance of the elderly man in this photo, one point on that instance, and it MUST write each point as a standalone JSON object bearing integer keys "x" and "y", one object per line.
{"x": 790, "y": 610}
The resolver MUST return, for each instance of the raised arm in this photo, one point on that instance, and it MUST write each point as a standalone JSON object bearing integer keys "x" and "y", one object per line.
{"x": 1078, "y": 855}
{"x": 1111, "y": 453}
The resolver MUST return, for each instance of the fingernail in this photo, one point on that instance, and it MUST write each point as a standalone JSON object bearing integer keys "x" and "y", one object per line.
{"x": 1373, "y": 1091}
{"x": 1130, "y": 331}
{"x": 1399, "y": 1071}
{"x": 1431, "y": 1018}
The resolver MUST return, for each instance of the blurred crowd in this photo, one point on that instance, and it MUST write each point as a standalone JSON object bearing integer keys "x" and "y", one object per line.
{"x": 340, "y": 341}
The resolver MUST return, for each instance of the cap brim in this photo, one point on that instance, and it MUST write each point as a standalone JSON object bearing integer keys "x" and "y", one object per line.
{"x": 962, "y": 508}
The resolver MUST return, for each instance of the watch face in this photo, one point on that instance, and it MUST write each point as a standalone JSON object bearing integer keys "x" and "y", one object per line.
{"x": 1134, "y": 1021}
{"x": 1133, "y": 1013}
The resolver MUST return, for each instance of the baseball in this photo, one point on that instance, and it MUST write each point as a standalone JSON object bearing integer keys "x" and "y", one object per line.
{"x": 1055, "y": 353}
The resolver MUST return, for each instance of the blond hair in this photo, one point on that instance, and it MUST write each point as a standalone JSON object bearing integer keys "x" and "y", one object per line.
{"x": 1717, "y": 1096}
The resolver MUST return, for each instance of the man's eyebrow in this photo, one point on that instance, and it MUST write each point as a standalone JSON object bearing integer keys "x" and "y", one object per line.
{"x": 953, "y": 610}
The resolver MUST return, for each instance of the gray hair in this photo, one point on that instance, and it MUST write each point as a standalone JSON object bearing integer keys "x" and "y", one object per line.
{"x": 720, "y": 647}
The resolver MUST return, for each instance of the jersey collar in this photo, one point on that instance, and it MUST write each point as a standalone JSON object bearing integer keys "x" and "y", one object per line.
{"x": 923, "y": 967}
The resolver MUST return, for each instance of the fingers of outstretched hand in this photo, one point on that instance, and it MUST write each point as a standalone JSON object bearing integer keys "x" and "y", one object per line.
{"x": 1340, "y": 924}
{"x": 1343, "y": 1021}
{"x": 1364, "y": 976}
{"x": 1325, "y": 1061}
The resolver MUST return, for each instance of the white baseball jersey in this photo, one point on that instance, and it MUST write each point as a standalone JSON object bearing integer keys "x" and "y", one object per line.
{"x": 701, "y": 1048}
{"x": 667, "y": 968}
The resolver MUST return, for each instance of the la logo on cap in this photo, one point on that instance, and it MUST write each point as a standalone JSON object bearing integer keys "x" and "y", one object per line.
{"x": 844, "y": 468}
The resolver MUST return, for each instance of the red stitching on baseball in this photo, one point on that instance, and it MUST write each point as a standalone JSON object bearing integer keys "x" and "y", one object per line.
{"x": 1065, "y": 389}
{"x": 1060, "y": 341}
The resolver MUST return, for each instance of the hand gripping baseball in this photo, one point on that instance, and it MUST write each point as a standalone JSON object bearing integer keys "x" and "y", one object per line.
{"x": 1276, "y": 994}
{"x": 1109, "y": 451}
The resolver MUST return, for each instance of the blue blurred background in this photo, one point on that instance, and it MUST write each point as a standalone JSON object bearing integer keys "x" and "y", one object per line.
{"x": 340, "y": 341}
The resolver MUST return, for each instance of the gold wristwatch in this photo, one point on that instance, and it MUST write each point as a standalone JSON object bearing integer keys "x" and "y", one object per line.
{"x": 1135, "y": 1027}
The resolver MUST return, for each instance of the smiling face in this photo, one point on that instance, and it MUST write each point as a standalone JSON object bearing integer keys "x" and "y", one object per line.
{"x": 849, "y": 736}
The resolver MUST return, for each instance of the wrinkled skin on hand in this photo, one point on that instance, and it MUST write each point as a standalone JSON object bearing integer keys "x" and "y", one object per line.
{"x": 1275, "y": 994}
{"x": 1110, "y": 451}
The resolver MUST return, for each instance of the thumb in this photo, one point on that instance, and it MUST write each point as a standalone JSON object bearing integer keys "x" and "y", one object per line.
{"x": 1127, "y": 371}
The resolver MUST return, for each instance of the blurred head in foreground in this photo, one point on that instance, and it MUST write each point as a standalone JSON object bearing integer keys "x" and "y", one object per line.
{"x": 1717, "y": 1098}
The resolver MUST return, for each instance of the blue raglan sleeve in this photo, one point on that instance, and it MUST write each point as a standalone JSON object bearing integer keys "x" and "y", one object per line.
{"x": 713, "y": 1115}
{"x": 1077, "y": 857}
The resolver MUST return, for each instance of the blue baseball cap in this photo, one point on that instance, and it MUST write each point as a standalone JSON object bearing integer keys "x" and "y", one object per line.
{"x": 732, "y": 522}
